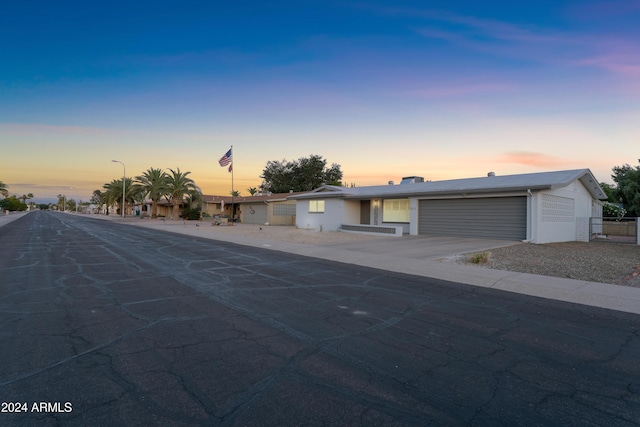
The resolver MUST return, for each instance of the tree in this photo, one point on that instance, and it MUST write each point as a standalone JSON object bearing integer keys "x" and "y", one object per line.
{"x": 234, "y": 193}
{"x": 304, "y": 174}
{"x": 154, "y": 185}
{"x": 12, "y": 204}
{"x": 4, "y": 189}
{"x": 178, "y": 185}
{"x": 24, "y": 197}
{"x": 113, "y": 193}
{"x": 609, "y": 190}
{"x": 627, "y": 191}
{"x": 60, "y": 204}
{"x": 252, "y": 190}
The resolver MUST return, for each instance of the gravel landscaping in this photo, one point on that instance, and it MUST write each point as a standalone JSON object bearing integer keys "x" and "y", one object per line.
{"x": 594, "y": 261}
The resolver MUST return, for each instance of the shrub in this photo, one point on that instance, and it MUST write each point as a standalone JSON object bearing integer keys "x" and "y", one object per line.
{"x": 613, "y": 210}
{"x": 191, "y": 214}
{"x": 479, "y": 258}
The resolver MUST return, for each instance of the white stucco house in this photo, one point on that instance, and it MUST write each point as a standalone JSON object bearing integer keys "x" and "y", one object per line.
{"x": 536, "y": 207}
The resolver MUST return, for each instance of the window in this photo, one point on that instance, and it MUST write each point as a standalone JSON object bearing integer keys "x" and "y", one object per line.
{"x": 395, "y": 210}
{"x": 316, "y": 206}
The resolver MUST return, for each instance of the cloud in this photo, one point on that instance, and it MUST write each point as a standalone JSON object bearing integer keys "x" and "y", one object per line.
{"x": 529, "y": 158}
{"x": 608, "y": 51}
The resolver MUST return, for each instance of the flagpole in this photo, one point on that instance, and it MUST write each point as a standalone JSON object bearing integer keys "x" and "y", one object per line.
{"x": 232, "y": 190}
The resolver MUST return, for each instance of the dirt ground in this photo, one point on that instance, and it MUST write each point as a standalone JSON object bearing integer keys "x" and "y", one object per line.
{"x": 614, "y": 263}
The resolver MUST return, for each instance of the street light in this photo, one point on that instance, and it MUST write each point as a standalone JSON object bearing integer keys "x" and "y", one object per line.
{"x": 124, "y": 174}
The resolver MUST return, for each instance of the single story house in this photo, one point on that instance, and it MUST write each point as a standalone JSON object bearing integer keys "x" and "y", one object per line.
{"x": 269, "y": 208}
{"x": 536, "y": 207}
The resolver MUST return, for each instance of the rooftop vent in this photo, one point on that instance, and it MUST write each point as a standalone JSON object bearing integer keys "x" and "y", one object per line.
{"x": 491, "y": 174}
{"x": 411, "y": 179}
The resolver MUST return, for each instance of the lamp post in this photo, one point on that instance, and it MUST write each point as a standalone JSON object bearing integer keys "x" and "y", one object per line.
{"x": 124, "y": 174}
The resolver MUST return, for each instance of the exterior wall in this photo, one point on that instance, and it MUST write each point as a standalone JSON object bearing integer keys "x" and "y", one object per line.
{"x": 556, "y": 213}
{"x": 329, "y": 220}
{"x": 276, "y": 219}
{"x": 351, "y": 213}
{"x": 211, "y": 209}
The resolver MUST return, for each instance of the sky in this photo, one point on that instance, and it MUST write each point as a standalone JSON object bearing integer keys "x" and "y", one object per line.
{"x": 386, "y": 89}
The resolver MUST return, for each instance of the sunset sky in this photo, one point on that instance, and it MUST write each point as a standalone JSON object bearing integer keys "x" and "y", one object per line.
{"x": 439, "y": 89}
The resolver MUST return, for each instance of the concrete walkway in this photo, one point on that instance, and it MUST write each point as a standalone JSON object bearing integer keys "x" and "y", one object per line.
{"x": 408, "y": 255}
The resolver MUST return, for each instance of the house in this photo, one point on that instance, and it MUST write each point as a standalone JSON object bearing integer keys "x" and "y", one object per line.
{"x": 536, "y": 207}
{"x": 273, "y": 209}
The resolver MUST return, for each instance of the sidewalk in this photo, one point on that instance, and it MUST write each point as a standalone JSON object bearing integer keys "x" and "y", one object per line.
{"x": 12, "y": 216}
{"x": 395, "y": 258}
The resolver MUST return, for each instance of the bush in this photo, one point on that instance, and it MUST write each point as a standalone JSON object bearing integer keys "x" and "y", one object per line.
{"x": 191, "y": 214}
{"x": 13, "y": 204}
{"x": 479, "y": 258}
{"x": 613, "y": 210}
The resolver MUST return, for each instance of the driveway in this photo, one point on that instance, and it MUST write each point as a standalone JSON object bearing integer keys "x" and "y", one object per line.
{"x": 424, "y": 247}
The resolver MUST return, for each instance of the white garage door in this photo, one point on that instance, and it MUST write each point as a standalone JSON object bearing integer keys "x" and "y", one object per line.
{"x": 491, "y": 217}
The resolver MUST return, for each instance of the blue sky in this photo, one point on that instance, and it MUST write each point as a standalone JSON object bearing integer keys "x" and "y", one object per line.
{"x": 446, "y": 89}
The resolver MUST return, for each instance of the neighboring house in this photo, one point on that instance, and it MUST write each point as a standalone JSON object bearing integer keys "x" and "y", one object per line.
{"x": 536, "y": 207}
{"x": 273, "y": 209}
{"x": 218, "y": 205}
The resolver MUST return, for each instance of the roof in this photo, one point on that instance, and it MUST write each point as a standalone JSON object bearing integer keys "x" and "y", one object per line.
{"x": 488, "y": 184}
{"x": 262, "y": 198}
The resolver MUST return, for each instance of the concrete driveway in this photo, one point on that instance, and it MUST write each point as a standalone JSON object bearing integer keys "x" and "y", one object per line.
{"x": 424, "y": 247}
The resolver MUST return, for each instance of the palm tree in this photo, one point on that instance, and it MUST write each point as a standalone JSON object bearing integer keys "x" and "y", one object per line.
{"x": 4, "y": 189}
{"x": 178, "y": 185}
{"x": 25, "y": 197}
{"x": 113, "y": 193}
{"x": 153, "y": 185}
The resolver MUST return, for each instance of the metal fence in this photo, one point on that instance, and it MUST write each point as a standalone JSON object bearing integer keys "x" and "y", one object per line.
{"x": 614, "y": 230}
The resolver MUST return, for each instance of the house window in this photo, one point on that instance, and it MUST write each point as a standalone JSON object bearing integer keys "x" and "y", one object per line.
{"x": 395, "y": 210}
{"x": 316, "y": 206}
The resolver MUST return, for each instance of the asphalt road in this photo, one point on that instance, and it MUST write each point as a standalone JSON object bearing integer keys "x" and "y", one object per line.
{"x": 108, "y": 324}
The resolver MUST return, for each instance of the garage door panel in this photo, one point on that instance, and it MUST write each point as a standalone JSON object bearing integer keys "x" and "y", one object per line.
{"x": 255, "y": 214}
{"x": 494, "y": 217}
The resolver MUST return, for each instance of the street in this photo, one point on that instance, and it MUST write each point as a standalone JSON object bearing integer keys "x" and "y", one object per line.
{"x": 106, "y": 324}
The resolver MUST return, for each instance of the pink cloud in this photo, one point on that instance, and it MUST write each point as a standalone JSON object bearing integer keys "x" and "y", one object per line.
{"x": 620, "y": 63}
{"x": 529, "y": 158}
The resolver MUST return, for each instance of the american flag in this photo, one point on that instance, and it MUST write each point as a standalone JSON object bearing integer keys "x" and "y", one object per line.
{"x": 226, "y": 159}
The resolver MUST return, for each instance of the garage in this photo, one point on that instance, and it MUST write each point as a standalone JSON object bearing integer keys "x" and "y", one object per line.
{"x": 254, "y": 213}
{"x": 491, "y": 217}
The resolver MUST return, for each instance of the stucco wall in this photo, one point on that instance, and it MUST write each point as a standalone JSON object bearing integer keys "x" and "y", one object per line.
{"x": 555, "y": 213}
{"x": 351, "y": 213}
{"x": 329, "y": 220}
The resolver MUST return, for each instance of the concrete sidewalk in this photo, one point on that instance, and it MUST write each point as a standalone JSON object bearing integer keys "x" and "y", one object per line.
{"x": 12, "y": 216}
{"x": 407, "y": 255}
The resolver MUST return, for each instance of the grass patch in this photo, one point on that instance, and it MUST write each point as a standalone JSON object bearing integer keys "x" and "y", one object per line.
{"x": 479, "y": 258}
